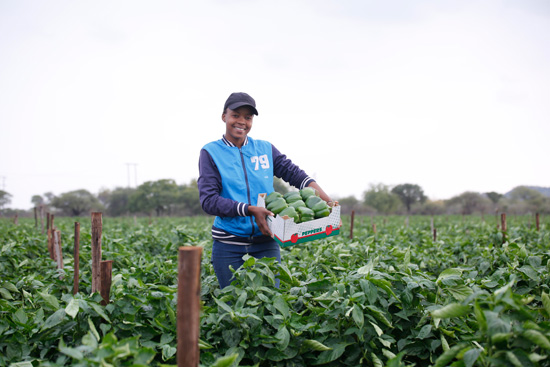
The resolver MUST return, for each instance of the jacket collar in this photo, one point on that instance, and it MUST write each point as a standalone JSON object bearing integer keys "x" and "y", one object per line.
{"x": 230, "y": 144}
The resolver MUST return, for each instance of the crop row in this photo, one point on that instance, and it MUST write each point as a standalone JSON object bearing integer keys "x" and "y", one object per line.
{"x": 391, "y": 298}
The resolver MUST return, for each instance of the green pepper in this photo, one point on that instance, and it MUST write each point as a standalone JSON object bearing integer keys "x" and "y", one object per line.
{"x": 277, "y": 205}
{"x": 312, "y": 200}
{"x": 292, "y": 196}
{"x": 322, "y": 213}
{"x": 271, "y": 197}
{"x": 306, "y": 214}
{"x": 297, "y": 204}
{"x": 306, "y": 192}
{"x": 291, "y": 213}
{"x": 319, "y": 206}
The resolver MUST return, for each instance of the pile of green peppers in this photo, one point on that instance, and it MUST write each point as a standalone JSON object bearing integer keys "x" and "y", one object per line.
{"x": 303, "y": 205}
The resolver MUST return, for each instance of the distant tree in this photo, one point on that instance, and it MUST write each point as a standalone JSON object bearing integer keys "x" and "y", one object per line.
{"x": 526, "y": 199}
{"x": 469, "y": 202}
{"x": 280, "y": 185}
{"x": 49, "y": 196}
{"x": 119, "y": 201}
{"x": 494, "y": 196}
{"x": 5, "y": 198}
{"x": 76, "y": 203}
{"x": 431, "y": 208}
{"x": 381, "y": 198}
{"x": 409, "y": 194}
{"x": 349, "y": 204}
{"x": 104, "y": 197}
{"x": 189, "y": 198}
{"x": 37, "y": 200}
{"x": 156, "y": 196}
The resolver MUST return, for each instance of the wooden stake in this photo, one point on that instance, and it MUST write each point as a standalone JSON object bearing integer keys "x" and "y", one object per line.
{"x": 76, "y": 256}
{"x": 188, "y": 312}
{"x": 35, "y": 217}
{"x": 435, "y": 234}
{"x": 374, "y": 227}
{"x": 16, "y": 219}
{"x": 50, "y": 237}
{"x": 57, "y": 248}
{"x": 503, "y": 225}
{"x": 97, "y": 226}
{"x": 537, "y": 221}
{"x": 106, "y": 276}
{"x": 42, "y": 217}
{"x": 351, "y": 225}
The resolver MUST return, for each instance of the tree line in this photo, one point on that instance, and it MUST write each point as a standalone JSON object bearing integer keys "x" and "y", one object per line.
{"x": 166, "y": 198}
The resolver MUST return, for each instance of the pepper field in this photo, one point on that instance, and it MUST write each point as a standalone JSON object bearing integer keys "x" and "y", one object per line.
{"x": 394, "y": 297}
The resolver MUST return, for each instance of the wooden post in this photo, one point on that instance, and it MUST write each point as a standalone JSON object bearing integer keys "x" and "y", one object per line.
{"x": 537, "y": 221}
{"x": 106, "y": 276}
{"x": 16, "y": 219}
{"x": 50, "y": 237}
{"x": 503, "y": 226}
{"x": 58, "y": 254}
{"x": 374, "y": 227}
{"x": 76, "y": 256}
{"x": 42, "y": 217}
{"x": 407, "y": 221}
{"x": 35, "y": 217}
{"x": 188, "y": 312}
{"x": 435, "y": 234}
{"x": 351, "y": 225}
{"x": 97, "y": 226}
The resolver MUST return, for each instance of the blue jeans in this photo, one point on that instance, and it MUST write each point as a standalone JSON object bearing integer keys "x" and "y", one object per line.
{"x": 224, "y": 254}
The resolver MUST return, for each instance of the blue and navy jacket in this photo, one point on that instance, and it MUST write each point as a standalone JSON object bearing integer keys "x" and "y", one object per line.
{"x": 230, "y": 179}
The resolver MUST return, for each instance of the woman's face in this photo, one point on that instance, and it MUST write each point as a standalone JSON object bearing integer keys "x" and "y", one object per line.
{"x": 237, "y": 124}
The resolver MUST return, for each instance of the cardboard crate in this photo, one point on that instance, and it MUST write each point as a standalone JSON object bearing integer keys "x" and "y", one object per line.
{"x": 287, "y": 233}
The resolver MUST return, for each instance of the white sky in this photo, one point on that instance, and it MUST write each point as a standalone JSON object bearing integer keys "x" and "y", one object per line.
{"x": 451, "y": 95}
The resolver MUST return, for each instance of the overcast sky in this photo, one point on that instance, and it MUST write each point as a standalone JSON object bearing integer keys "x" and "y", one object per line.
{"x": 451, "y": 95}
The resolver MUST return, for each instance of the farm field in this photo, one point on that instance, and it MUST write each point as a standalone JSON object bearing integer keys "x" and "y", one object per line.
{"x": 396, "y": 297}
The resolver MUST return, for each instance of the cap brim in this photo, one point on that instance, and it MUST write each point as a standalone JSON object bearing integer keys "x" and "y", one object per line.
{"x": 236, "y": 105}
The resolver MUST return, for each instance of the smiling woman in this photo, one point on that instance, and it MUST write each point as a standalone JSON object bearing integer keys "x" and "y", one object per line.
{"x": 233, "y": 171}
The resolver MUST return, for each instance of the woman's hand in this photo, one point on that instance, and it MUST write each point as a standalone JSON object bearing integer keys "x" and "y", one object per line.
{"x": 260, "y": 214}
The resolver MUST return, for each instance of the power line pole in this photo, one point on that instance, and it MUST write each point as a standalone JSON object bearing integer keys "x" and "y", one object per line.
{"x": 135, "y": 173}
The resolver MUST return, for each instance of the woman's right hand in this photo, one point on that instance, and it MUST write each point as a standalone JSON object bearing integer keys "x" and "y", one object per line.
{"x": 260, "y": 214}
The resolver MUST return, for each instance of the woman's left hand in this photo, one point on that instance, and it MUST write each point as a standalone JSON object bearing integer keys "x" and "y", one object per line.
{"x": 260, "y": 215}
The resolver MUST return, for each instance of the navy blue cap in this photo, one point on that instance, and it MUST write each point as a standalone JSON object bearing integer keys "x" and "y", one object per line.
{"x": 237, "y": 100}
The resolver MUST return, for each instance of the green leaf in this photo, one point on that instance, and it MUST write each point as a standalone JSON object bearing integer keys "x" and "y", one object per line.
{"x": 54, "y": 319}
{"x": 93, "y": 330}
{"x": 20, "y": 316}
{"x": 225, "y": 361}
{"x": 315, "y": 345}
{"x": 100, "y": 311}
{"x": 71, "y": 352}
{"x": 50, "y": 300}
{"x": 546, "y": 302}
{"x": 282, "y": 306}
{"x": 460, "y": 292}
{"x": 379, "y": 315}
{"x": 471, "y": 356}
{"x": 72, "y": 308}
{"x": 445, "y": 359}
{"x": 358, "y": 316}
{"x": 6, "y": 294}
{"x": 451, "y": 310}
{"x": 452, "y": 272}
{"x": 284, "y": 338}
{"x": 168, "y": 352}
{"x": 331, "y": 355}
{"x": 424, "y": 332}
{"x": 537, "y": 337}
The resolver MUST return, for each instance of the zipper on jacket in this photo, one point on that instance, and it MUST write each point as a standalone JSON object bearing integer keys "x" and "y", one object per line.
{"x": 247, "y": 190}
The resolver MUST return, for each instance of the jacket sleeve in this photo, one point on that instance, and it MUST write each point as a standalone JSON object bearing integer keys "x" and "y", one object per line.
{"x": 210, "y": 187}
{"x": 284, "y": 168}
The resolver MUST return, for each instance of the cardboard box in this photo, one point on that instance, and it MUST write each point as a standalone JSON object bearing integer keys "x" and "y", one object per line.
{"x": 287, "y": 233}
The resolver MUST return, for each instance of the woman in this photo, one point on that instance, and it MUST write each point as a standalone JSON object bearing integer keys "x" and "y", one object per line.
{"x": 232, "y": 172}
